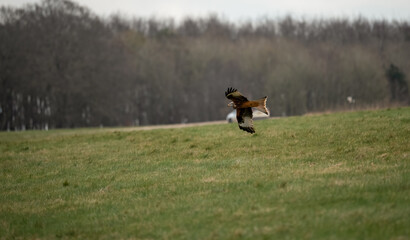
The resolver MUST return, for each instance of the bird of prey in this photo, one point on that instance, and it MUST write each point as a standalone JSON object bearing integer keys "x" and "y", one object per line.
{"x": 244, "y": 108}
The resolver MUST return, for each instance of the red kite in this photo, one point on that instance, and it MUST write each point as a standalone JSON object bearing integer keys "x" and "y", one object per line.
{"x": 244, "y": 108}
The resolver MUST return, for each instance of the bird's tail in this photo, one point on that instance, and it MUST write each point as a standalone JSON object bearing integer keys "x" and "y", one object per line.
{"x": 261, "y": 105}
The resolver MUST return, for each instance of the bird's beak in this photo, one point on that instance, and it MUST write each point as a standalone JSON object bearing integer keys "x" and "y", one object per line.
{"x": 230, "y": 104}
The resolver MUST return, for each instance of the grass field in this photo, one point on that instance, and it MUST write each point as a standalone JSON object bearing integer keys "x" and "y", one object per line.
{"x": 329, "y": 176}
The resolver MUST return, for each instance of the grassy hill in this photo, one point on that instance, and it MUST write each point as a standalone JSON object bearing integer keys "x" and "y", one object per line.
{"x": 330, "y": 176}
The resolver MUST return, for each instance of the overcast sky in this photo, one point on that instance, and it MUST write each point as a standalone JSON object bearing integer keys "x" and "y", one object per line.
{"x": 239, "y": 10}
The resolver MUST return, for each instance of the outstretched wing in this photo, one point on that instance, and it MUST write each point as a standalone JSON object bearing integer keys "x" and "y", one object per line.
{"x": 244, "y": 117}
{"x": 235, "y": 96}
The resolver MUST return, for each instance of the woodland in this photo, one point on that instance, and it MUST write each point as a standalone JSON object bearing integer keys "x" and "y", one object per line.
{"x": 63, "y": 66}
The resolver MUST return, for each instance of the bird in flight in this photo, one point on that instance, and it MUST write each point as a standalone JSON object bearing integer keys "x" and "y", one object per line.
{"x": 244, "y": 108}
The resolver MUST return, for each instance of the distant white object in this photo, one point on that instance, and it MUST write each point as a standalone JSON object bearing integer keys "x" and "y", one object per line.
{"x": 351, "y": 100}
{"x": 231, "y": 117}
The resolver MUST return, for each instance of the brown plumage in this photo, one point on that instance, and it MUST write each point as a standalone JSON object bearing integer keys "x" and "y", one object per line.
{"x": 244, "y": 108}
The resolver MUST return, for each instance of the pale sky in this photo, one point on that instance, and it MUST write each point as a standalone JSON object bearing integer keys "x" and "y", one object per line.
{"x": 240, "y": 10}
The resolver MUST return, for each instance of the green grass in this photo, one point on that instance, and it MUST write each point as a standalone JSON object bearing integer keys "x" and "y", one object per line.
{"x": 331, "y": 176}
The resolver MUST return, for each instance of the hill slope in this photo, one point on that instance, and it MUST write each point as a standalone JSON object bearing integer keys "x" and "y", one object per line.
{"x": 335, "y": 176}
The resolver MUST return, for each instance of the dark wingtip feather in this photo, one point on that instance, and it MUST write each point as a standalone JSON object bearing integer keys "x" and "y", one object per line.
{"x": 230, "y": 90}
{"x": 250, "y": 130}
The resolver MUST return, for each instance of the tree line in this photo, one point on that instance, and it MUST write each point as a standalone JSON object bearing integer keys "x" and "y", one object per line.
{"x": 62, "y": 66}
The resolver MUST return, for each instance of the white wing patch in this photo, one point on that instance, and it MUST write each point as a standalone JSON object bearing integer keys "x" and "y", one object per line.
{"x": 247, "y": 124}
